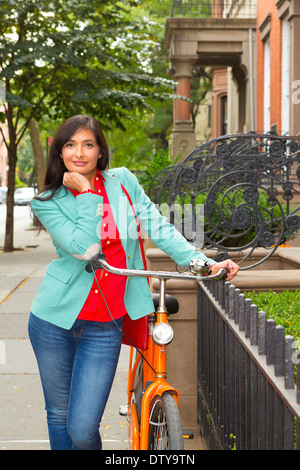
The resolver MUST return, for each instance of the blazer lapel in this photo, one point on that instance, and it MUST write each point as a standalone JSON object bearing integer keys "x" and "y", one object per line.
{"x": 120, "y": 207}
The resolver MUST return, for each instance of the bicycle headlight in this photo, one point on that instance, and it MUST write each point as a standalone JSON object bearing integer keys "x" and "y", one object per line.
{"x": 162, "y": 334}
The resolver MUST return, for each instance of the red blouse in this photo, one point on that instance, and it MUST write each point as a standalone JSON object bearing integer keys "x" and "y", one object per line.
{"x": 112, "y": 285}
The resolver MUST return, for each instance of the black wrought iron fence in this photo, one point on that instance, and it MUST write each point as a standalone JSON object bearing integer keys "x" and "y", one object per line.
{"x": 158, "y": 190}
{"x": 249, "y": 188}
{"x": 247, "y": 396}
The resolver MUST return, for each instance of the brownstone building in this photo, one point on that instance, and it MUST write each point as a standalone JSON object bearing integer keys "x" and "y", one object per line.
{"x": 278, "y": 66}
{"x": 252, "y": 49}
{"x": 220, "y": 34}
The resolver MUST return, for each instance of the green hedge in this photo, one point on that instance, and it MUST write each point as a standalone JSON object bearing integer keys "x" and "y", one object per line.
{"x": 283, "y": 307}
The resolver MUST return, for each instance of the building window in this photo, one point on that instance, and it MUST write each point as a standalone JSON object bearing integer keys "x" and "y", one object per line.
{"x": 224, "y": 115}
{"x": 285, "y": 83}
{"x": 267, "y": 85}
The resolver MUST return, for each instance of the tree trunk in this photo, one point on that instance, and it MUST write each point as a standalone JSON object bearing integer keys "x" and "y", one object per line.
{"x": 12, "y": 163}
{"x": 9, "y": 230}
{"x": 38, "y": 153}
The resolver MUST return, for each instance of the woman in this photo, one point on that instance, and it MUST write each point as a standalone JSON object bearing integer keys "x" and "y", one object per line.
{"x": 87, "y": 209}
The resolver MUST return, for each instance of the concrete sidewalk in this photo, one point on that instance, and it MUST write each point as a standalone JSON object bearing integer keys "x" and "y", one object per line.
{"x": 22, "y": 415}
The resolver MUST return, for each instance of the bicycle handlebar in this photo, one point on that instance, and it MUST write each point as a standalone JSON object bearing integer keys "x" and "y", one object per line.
{"x": 99, "y": 261}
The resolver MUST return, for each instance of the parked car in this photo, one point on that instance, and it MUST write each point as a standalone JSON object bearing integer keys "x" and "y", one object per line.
{"x": 3, "y": 191}
{"x": 23, "y": 196}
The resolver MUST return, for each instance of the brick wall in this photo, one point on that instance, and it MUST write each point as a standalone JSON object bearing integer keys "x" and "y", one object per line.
{"x": 265, "y": 7}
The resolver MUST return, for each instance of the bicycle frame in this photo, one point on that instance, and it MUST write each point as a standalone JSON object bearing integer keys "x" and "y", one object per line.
{"x": 153, "y": 381}
{"x": 155, "y": 355}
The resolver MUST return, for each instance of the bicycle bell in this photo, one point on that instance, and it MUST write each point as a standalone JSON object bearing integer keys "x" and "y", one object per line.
{"x": 199, "y": 266}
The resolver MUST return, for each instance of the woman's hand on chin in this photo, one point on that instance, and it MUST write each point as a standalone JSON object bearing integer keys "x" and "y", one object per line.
{"x": 76, "y": 181}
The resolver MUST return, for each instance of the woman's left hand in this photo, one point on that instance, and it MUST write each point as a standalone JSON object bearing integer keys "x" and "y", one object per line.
{"x": 230, "y": 265}
{"x": 76, "y": 181}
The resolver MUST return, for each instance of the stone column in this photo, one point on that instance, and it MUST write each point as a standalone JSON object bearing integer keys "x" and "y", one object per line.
{"x": 183, "y": 140}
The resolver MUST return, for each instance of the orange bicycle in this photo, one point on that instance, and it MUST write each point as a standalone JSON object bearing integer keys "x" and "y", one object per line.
{"x": 152, "y": 407}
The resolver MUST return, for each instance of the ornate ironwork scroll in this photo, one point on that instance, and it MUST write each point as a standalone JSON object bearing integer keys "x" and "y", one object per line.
{"x": 159, "y": 187}
{"x": 248, "y": 186}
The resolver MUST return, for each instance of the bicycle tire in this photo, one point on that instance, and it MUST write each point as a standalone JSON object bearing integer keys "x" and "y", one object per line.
{"x": 165, "y": 431}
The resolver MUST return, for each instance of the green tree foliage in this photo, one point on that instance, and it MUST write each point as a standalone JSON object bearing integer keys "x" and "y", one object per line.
{"x": 71, "y": 57}
{"x": 147, "y": 131}
{"x": 80, "y": 55}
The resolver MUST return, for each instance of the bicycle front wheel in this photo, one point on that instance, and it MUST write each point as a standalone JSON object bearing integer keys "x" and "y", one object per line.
{"x": 165, "y": 431}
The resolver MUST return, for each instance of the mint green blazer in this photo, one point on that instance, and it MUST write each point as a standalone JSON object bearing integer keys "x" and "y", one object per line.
{"x": 74, "y": 225}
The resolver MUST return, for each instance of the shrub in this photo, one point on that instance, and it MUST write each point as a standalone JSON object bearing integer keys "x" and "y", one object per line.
{"x": 283, "y": 307}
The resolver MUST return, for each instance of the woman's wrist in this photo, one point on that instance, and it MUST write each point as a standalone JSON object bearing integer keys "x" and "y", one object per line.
{"x": 85, "y": 188}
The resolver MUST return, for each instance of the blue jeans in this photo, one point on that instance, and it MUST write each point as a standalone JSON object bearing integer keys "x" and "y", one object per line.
{"x": 77, "y": 368}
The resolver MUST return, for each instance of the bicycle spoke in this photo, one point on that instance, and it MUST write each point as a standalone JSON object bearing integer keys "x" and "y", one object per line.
{"x": 164, "y": 418}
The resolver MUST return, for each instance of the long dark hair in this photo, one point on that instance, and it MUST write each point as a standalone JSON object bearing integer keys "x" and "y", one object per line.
{"x": 56, "y": 167}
